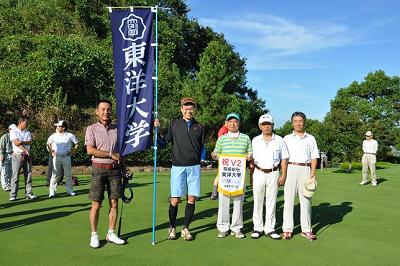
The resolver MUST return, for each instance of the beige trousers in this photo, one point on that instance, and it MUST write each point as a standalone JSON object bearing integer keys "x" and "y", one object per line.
{"x": 296, "y": 177}
{"x": 368, "y": 160}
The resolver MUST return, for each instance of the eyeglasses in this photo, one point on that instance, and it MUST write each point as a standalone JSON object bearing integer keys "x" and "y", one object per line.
{"x": 189, "y": 108}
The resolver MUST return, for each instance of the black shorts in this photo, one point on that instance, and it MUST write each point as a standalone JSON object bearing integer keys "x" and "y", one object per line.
{"x": 103, "y": 179}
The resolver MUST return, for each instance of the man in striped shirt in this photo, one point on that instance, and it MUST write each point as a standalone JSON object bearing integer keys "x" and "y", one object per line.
{"x": 233, "y": 143}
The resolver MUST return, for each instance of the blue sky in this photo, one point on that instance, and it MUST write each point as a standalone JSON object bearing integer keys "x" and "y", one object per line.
{"x": 299, "y": 53}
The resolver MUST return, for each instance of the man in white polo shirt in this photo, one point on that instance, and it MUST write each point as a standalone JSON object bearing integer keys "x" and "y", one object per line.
{"x": 370, "y": 147}
{"x": 22, "y": 141}
{"x": 303, "y": 155}
{"x": 270, "y": 154}
{"x": 60, "y": 144}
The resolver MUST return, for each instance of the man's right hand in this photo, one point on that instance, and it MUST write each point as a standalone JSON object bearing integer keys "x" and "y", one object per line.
{"x": 214, "y": 155}
{"x": 115, "y": 156}
{"x": 156, "y": 123}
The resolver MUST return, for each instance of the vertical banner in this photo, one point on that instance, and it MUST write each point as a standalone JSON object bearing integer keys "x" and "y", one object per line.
{"x": 231, "y": 174}
{"x": 132, "y": 38}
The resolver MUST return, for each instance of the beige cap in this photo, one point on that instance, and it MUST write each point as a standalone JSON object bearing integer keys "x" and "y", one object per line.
{"x": 368, "y": 133}
{"x": 310, "y": 186}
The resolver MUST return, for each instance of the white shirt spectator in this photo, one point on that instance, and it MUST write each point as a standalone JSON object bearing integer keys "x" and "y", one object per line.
{"x": 21, "y": 136}
{"x": 370, "y": 146}
{"x": 301, "y": 149}
{"x": 268, "y": 154}
{"x": 61, "y": 143}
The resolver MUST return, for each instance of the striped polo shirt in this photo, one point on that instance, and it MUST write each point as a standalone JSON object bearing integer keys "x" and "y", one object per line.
{"x": 235, "y": 146}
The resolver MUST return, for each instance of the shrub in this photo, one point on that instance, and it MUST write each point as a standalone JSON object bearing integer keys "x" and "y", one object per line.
{"x": 354, "y": 166}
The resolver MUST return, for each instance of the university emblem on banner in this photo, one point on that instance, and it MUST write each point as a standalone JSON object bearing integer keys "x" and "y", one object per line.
{"x": 132, "y": 28}
{"x": 231, "y": 174}
{"x": 133, "y": 70}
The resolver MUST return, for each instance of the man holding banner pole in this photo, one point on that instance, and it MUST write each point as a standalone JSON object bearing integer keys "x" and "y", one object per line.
{"x": 107, "y": 164}
{"x": 232, "y": 150}
{"x": 270, "y": 154}
{"x": 187, "y": 138}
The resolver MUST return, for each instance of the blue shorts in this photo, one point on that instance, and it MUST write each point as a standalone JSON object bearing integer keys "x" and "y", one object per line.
{"x": 185, "y": 180}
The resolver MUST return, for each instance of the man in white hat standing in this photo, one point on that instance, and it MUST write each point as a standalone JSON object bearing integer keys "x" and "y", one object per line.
{"x": 303, "y": 155}
{"x": 60, "y": 144}
{"x": 370, "y": 147}
{"x": 6, "y": 150}
{"x": 270, "y": 153}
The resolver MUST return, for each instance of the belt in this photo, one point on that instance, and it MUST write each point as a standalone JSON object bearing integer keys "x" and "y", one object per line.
{"x": 369, "y": 153}
{"x": 300, "y": 164}
{"x": 108, "y": 166}
{"x": 62, "y": 155}
{"x": 267, "y": 170}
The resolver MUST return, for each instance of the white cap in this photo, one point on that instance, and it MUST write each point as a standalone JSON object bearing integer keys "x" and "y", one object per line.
{"x": 265, "y": 118}
{"x": 12, "y": 126}
{"x": 368, "y": 133}
{"x": 60, "y": 123}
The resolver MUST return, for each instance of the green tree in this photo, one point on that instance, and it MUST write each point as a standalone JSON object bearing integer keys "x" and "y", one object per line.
{"x": 369, "y": 105}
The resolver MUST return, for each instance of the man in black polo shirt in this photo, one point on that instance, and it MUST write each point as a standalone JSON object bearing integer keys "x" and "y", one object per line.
{"x": 187, "y": 138}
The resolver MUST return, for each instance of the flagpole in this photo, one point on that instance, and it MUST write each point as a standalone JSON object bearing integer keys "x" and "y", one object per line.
{"x": 153, "y": 237}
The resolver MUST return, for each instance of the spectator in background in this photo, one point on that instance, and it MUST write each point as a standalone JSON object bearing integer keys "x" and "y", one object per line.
{"x": 22, "y": 141}
{"x": 60, "y": 144}
{"x": 222, "y": 131}
{"x": 6, "y": 151}
{"x": 370, "y": 147}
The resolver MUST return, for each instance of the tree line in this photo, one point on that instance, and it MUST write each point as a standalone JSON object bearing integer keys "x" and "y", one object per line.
{"x": 56, "y": 61}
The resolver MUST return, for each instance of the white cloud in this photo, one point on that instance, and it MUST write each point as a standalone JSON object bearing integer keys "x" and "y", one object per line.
{"x": 268, "y": 42}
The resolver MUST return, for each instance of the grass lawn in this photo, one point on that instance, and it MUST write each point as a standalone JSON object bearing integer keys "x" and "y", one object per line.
{"x": 355, "y": 225}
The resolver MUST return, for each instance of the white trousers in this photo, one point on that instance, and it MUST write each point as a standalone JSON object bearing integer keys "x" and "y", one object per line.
{"x": 264, "y": 186}
{"x": 223, "y": 221}
{"x": 6, "y": 172}
{"x": 58, "y": 162}
{"x": 368, "y": 160}
{"x": 296, "y": 177}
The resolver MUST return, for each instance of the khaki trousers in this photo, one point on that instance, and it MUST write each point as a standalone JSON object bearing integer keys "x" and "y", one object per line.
{"x": 296, "y": 177}
{"x": 368, "y": 160}
{"x": 265, "y": 187}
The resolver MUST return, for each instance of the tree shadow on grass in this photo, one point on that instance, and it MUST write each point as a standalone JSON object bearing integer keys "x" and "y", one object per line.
{"x": 179, "y": 222}
{"x": 324, "y": 215}
{"x": 40, "y": 218}
{"x": 381, "y": 180}
{"x": 31, "y": 211}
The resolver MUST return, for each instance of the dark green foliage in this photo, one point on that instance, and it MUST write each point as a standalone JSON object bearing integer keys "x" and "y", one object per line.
{"x": 56, "y": 61}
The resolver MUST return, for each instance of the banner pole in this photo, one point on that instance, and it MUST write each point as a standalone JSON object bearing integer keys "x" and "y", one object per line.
{"x": 153, "y": 238}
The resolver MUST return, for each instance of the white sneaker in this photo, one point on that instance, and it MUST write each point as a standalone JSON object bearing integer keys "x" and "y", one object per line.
{"x": 13, "y": 198}
{"x": 94, "y": 241}
{"x": 273, "y": 235}
{"x": 363, "y": 182}
{"x": 374, "y": 183}
{"x": 113, "y": 238}
{"x": 71, "y": 193}
{"x": 238, "y": 235}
